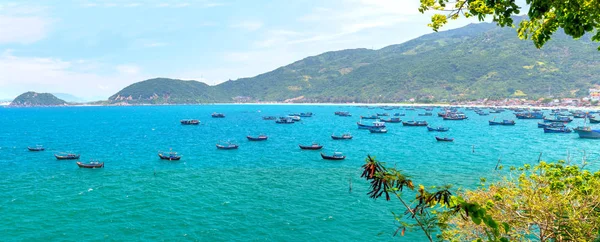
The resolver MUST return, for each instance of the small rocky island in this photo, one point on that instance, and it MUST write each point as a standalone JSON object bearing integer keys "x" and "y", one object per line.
{"x": 34, "y": 99}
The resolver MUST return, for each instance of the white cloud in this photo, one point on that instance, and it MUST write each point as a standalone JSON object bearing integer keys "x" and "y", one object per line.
{"x": 132, "y": 5}
{"x": 22, "y": 30}
{"x": 155, "y": 44}
{"x": 248, "y": 25}
{"x": 21, "y": 74}
{"x": 128, "y": 69}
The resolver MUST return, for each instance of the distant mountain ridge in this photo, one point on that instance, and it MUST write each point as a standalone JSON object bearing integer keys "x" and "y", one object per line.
{"x": 69, "y": 98}
{"x": 34, "y": 99}
{"x": 475, "y": 61}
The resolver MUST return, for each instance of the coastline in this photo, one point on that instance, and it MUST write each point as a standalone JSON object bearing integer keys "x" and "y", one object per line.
{"x": 327, "y": 104}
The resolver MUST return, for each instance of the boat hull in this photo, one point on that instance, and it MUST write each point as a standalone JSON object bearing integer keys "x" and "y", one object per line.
{"x": 260, "y": 138}
{"x": 92, "y": 166}
{"x": 588, "y": 134}
{"x": 327, "y": 157}
{"x": 310, "y": 147}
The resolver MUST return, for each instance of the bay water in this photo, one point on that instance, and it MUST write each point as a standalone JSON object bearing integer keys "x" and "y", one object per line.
{"x": 263, "y": 191}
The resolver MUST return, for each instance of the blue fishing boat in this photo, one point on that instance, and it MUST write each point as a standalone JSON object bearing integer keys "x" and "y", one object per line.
{"x": 551, "y": 125}
{"x": 557, "y": 130}
{"x": 217, "y": 115}
{"x": 306, "y": 115}
{"x": 391, "y": 120}
{"x": 586, "y": 132}
{"x": 415, "y": 123}
{"x": 366, "y": 126}
{"x": 594, "y": 120}
{"x": 503, "y": 122}
{"x": 558, "y": 119}
{"x": 438, "y": 129}
{"x": 426, "y": 114}
{"x": 399, "y": 114}
{"x": 378, "y": 130}
{"x": 269, "y": 118}
{"x": 383, "y": 114}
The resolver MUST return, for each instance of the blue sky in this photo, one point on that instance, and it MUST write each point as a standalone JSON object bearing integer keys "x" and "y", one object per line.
{"x": 92, "y": 49}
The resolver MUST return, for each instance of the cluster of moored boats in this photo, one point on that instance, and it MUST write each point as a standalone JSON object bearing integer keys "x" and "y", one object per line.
{"x": 555, "y": 122}
{"x": 69, "y": 156}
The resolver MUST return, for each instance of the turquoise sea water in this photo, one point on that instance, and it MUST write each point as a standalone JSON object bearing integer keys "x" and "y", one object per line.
{"x": 264, "y": 191}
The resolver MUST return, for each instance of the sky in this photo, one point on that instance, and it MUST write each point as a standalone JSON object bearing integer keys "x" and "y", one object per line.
{"x": 92, "y": 48}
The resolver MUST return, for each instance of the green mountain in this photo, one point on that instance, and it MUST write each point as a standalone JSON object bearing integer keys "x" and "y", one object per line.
{"x": 33, "y": 99}
{"x": 475, "y": 61}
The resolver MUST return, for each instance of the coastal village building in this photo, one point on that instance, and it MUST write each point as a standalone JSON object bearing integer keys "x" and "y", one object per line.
{"x": 594, "y": 94}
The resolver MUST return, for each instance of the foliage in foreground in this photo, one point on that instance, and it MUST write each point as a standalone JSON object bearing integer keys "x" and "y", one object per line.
{"x": 575, "y": 17}
{"x": 547, "y": 202}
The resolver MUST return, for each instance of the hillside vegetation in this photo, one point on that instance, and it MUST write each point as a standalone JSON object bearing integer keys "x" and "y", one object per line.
{"x": 475, "y": 61}
{"x": 33, "y": 99}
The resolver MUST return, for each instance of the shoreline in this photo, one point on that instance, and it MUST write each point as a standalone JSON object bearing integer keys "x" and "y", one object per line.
{"x": 323, "y": 104}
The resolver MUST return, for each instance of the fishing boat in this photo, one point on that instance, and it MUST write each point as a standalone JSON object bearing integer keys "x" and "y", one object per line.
{"x": 557, "y": 130}
{"x": 438, "y": 129}
{"x": 378, "y": 130}
{"x": 426, "y": 114}
{"x": 306, "y": 115}
{"x": 455, "y": 116}
{"x": 343, "y": 114}
{"x": 190, "y": 122}
{"x": 269, "y": 118}
{"x": 383, "y": 114}
{"x": 66, "y": 156}
{"x": 594, "y": 120}
{"x": 558, "y": 119}
{"x": 503, "y": 122}
{"x": 391, "y": 120}
{"x": 586, "y": 132}
{"x": 370, "y": 117}
{"x": 313, "y": 146}
{"x": 530, "y": 115}
{"x": 295, "y": 118}
{"x": 227, "y": 146}
{"x": 217, "y": 115}
{"x": 91, "y": 164}
{"x": 399, "y": 114}
{"x": 284, "y": 120}
{"x": 335, "y": 156}
{"x": 343, "y": 136}
{"x": 551, "y": 125}
{"x": 36, "y": 148}
{"x": 261, "y": 137}
{"x": 445, "y": 139}
{"x": 168, "y": 155}
{"x": 415, "y": 123}
{"x": 366, "y": 126}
